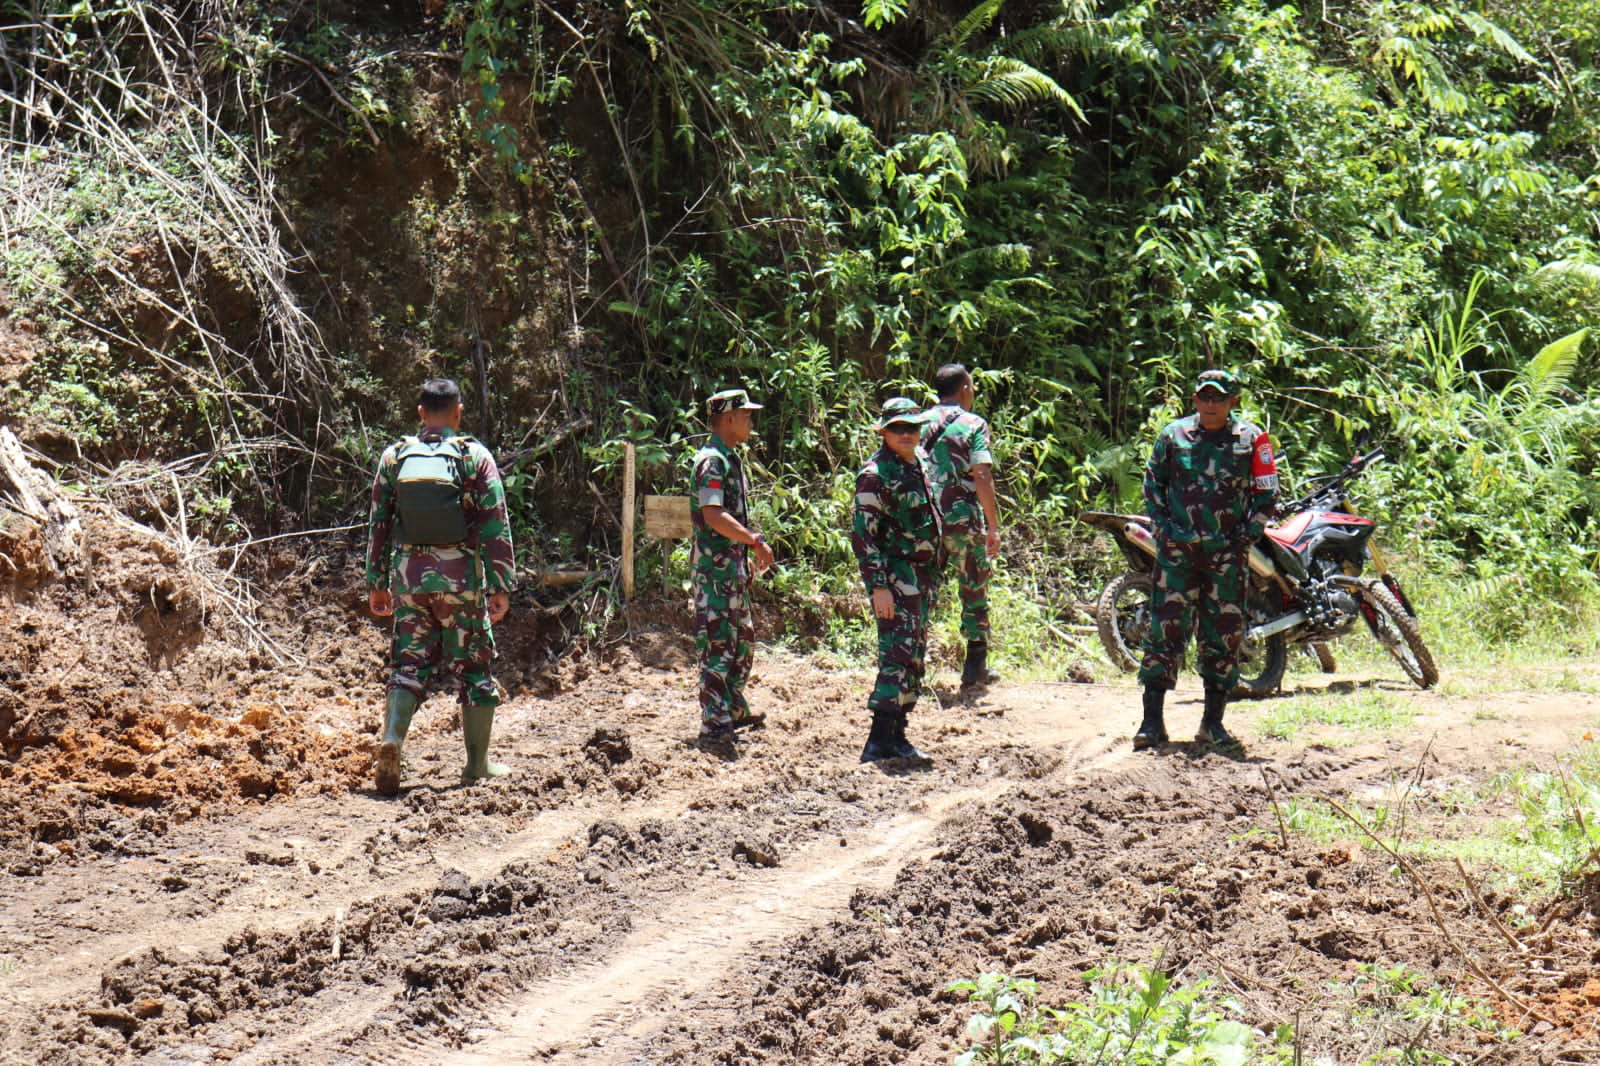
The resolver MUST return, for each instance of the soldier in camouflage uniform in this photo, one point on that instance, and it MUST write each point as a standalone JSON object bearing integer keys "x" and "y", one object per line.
{"x": 896, "y": 541}
{"x": 723, "y": 539}
{"x": 961, "y": 474}
{"x": 1210, "y": 486}
{"x": 443, "y": 597}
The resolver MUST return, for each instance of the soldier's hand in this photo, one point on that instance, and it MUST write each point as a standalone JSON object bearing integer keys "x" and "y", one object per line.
{"x": 883, "y": 603}
{"x": 991, "y": 541}
{"x": 764, "y": 557}
{"x": 499, "y": 604}
{"x": 380, "y": 602}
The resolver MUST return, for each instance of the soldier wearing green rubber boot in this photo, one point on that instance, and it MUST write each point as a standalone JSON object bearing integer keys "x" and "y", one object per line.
{"x": 439, "y": 561}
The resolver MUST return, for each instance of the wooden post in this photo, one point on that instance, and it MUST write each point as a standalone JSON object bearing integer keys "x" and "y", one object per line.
{"x": 627, "y": 522}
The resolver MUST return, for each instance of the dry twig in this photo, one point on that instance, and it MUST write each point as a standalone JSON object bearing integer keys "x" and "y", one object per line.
{"x": 1272, "y": 797}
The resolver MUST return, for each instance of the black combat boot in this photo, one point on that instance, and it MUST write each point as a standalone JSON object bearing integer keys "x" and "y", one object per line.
{"x": 1211, "y": 731}
{"x": 880, "y": 741}
{"x": 903, "y": 748}
{"x": 975, "y": 671}
{"x": 1153, "y": 730}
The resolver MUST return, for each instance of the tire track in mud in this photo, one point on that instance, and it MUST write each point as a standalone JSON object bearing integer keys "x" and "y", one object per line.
{"x": 565, "y": 992}
{"x": 596, "y": 1011}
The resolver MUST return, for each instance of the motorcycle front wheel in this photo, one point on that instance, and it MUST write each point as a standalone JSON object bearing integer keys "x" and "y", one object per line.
{"x": 1122, "y": 616}
{"x": 1397, "y": 631}
{"x": 1261, "y": 662}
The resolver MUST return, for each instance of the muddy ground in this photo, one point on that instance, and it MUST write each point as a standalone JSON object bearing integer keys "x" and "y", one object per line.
{"x": 195, "y": 870}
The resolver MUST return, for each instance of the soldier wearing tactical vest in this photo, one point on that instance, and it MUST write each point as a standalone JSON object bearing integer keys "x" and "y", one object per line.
{"x": 724, "y": 540}
{"x": 1209, "y": 486}
{"x": 439, "y": 560}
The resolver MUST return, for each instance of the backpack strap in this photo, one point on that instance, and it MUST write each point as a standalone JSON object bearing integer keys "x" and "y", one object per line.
{"x": 460, "y": 445}
{"x": 949, "y": 421}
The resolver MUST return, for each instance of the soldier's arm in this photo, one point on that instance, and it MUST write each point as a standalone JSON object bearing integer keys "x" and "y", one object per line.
{"x": 867, "y": 532}
{"x": 1263, "y": 485}
{"x": 492, "y": 525}
{"x": 1155, "y": 487}
{"x": 718, "y": 518}
{"x": 983, "y": 485}
{"x": 380, "y": 523}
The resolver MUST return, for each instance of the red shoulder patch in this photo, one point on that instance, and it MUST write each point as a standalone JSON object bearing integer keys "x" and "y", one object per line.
{"x": 1262, "y": 462}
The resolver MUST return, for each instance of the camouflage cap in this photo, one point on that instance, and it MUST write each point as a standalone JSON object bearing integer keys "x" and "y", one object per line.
{"x": 730, "y": 400}
{"x": 901, "y": 409}
{"x": 1221, "y": 380}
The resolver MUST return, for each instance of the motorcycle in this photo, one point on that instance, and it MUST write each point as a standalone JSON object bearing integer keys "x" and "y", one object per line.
{"x": 1305, "y": 587}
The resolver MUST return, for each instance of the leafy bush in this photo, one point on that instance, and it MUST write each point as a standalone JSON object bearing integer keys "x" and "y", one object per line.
{"x": 1134, "y": 1015}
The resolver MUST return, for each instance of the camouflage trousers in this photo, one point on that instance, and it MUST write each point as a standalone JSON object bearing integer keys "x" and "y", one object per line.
{"x": 968, "y": 555}
{"x": 1190, "y": 587}
{"x": 725, "y": 635}
{"x": 903, "y": 639}
{"x": 444, "y": 633}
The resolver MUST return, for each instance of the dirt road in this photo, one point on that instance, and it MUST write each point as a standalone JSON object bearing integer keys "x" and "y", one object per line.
{"x": 626, "y": 898}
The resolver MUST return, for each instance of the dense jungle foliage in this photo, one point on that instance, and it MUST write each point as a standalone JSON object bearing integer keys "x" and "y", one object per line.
{"x": 238, "y": 233}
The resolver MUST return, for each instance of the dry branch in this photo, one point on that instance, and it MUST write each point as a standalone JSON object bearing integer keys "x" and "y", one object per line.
{"x": 1433, "y": 906}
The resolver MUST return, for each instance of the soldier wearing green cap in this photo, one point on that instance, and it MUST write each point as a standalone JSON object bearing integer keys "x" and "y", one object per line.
{"x": 723, "y": 541}
{"x": 1209, "y": 486}
{"x": 896, "y": 537}
{"x": 439, "y": 560}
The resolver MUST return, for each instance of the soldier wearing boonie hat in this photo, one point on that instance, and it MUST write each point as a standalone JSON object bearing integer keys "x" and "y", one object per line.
{"x": 723, "y": 541}
{"x": 895, "y": 534}
{"x": 1209, "y": 486}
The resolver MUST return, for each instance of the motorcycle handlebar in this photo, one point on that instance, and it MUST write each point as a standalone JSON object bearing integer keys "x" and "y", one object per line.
{"x": 1351, "y": 469}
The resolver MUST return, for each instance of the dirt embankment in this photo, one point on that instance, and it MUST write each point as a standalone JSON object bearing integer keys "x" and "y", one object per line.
{"x": 195, "y": 870}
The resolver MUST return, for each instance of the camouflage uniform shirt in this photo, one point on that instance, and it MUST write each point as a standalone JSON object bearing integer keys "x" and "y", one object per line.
{"x": 895, "y": 519}
{"x": 1200, "y": 489}
{"x": 718, "y": 481}
{"x": 413, "y": 569}
{"x": 956, "y": 441}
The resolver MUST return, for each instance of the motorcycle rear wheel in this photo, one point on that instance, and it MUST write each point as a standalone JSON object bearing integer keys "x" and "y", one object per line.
{"x": 1397, "y": 631}
{"x": 1122, "y": 616}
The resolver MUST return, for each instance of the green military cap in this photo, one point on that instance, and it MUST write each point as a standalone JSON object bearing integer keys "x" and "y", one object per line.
{"x": 1221, "y": 380}
{"x": 730, "y": 400}
{"x": 901, "y": 409}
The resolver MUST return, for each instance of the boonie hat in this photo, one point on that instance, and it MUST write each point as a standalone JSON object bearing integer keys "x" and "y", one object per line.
{"x": 901, "y": 409}
{"x": 730, "y": 400}
{"x": 1221, "y": 380}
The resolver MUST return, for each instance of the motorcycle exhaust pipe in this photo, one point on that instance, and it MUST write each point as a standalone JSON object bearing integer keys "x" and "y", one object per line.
{"x": 1277, "y": 625}
{"x": 1140, "y": 537}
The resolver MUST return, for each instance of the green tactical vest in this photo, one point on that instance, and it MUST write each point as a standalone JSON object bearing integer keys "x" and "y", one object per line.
{"x": 427, "y": 491}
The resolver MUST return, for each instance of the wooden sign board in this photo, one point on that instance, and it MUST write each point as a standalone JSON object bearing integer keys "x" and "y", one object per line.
{"x": 667, "y": 517}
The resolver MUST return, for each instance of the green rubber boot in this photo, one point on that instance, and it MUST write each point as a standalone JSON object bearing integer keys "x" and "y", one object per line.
{"x": 402, "y": 704}
{"x": 476, "y": 725}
